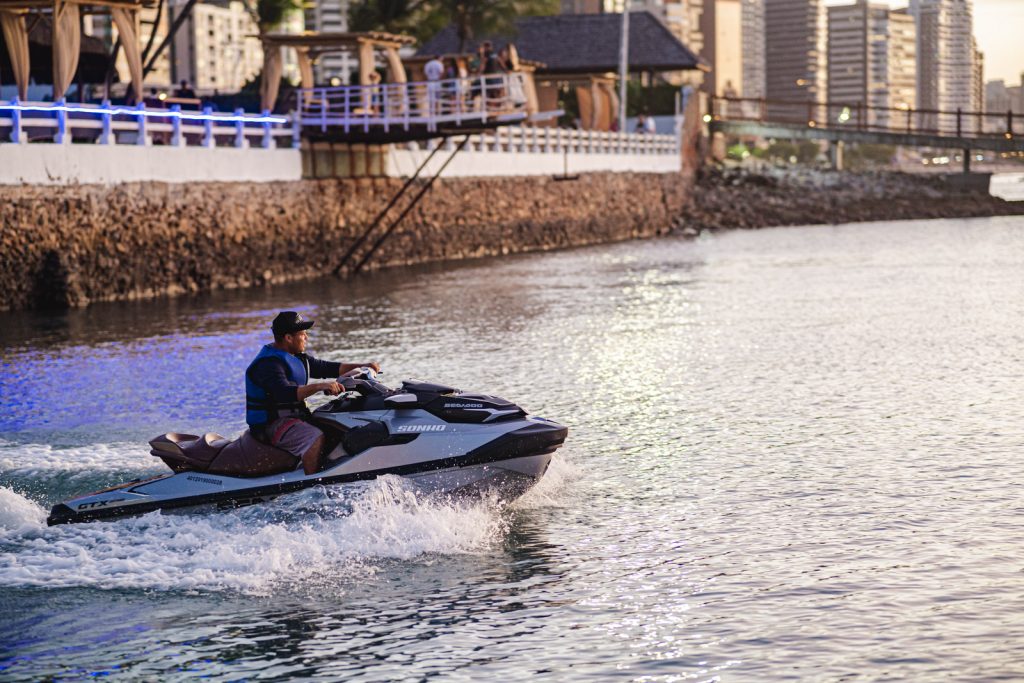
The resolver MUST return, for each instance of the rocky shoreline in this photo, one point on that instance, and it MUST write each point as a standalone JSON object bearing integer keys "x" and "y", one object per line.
{"x": 67, "y": 247}
{"x": 70, "y": 246}
{"x": 737, "y": 199}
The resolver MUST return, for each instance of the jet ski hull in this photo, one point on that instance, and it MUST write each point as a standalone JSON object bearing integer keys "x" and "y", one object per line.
{"x": 508, "y": 463}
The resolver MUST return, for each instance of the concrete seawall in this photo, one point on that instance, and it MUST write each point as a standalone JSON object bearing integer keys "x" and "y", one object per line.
{"x": 68, "y": 246}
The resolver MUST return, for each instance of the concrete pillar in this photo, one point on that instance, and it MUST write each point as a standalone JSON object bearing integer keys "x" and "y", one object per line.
{"x": 836, "y": 152}
{"x": 718, "y": 149}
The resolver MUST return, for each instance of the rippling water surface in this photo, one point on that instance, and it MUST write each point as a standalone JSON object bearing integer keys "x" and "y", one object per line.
{"x": 794, "y": 453}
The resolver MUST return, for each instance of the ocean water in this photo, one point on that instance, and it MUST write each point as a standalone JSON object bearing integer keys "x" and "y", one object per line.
{"x": 794, "y": 454}
{"x": 1009, "y": 186}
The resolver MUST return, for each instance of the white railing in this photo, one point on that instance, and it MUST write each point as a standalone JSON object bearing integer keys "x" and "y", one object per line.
{"x": 104, "y": 124}
{"x": 494, "y": 97}
{"x": 550, "y": 140}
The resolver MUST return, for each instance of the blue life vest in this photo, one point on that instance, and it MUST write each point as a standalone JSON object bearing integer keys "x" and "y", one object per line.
{"x": 260, "y": 408}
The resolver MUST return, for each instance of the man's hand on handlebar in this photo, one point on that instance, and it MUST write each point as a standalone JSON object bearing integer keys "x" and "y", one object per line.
{"x": 359, "y": 368}
{"x": 331, "y": 388}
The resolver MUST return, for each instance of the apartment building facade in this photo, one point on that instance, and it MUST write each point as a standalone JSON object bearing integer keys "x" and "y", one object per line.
{"x": 796, "y": 54}
{"x": 752, "y": 37}
{"x": 331, "y": 16}
{"x": 721, "y": 25}
{"x": 947, "y": 60}
{"x": 216, "y": 49}
{"x": 871, "y": 63}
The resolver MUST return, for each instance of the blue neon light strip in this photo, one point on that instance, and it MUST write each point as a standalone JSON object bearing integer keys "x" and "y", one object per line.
{"x": 163, "y": 113}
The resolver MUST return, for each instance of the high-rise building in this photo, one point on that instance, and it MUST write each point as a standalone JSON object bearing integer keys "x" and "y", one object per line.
{"x": 331, "y": 16}
{"x": 721, "y": 25}
{"x": 946, "y": 60}
{"x": 871, "y": 66}
{"x": 796, "y": 35}
{"x": 1000, "y": 99}
{"x": 683, "y": 18}
{"x": 152, "y": 28}
{"x": 977, "y": 78}
{"x": 753, "y": 48}
{"x": 216, "y": 48}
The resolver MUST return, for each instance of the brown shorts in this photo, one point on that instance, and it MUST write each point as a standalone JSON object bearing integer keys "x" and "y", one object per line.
{"x": 292, "y": 434}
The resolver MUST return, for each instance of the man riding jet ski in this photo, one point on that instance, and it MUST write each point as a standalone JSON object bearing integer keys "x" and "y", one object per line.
{"x": 442, "y": 439}
{"x": 276, "y": 390}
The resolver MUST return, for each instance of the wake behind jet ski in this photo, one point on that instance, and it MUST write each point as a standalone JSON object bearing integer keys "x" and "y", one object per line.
{"x": 438, "y": 437}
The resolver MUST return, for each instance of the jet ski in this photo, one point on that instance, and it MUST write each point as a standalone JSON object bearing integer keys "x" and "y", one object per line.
{"x": 442, "y": 439}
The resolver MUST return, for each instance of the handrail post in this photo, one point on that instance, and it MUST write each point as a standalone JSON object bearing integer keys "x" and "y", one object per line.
{"x": 323, "y": 110}
{"x": 240, "y": 141}
{"x": 268, "y": 139}
{"x": 208, "y": 139}
{"x": 176, "y": 137}
{"x": 1009, "y": 122}
{"x": 406, "y": 104}
{"x": 368, "y": 109}
{"x": 910, "y": 118}
{"x": 547, "y": 139}
{"x": 16, "y": 135}
{"x": 62, "y": 123}
{"x": 959, "y": 133}
{"x": 346, "y": 108}
{"x": 296, "y": 130}
{"x": 106, "y": 135}
{"x": 483, "y": 98}
{"x": 143, "y": 137}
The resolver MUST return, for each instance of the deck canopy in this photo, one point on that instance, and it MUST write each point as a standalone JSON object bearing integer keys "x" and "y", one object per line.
{"x": 18, "y": 18}
{"x": 581, "y": 51}
{"x": 309, "y": 46}
{"x": 583, "y": 44}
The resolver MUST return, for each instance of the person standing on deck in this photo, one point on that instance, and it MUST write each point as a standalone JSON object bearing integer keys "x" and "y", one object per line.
{"x": 276, "y": 390}
{"x": 434, "y": 72}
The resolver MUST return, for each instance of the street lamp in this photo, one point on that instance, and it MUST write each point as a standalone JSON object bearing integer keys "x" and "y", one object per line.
{"x": 623, "y": 64}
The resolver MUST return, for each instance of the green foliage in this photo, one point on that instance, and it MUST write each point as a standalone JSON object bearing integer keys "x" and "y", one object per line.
{"x": 658, "y": 99}
{"x": 424, "y": 18}
{"x": 864, "y": 156}
{"x": 738, "y": 152}
{"x": 269, "y": 14}
{"x": 804, "y": 151}
{"x": 252, "y": 86}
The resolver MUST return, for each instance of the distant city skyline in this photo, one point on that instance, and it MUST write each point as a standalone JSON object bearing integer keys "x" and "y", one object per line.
{"x": 1004, "y": 58}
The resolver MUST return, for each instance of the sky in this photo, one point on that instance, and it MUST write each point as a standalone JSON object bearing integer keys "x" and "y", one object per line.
{"x": 999, "y": 28}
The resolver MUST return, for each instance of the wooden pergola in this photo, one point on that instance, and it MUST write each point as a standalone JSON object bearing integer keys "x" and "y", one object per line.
{"x": 67, "y": 36}
{"x": 310, "y": 46}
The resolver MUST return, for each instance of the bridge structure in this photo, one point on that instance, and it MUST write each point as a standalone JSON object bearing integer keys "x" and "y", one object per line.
{"x": 399, "y": 112}
{"x": 839, "y": 122}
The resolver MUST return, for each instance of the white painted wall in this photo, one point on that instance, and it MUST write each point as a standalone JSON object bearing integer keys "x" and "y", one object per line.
{"x": 402, "y": 163}
{"x": 53, "y": 164}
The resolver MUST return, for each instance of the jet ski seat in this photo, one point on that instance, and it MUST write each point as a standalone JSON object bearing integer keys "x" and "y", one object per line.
{"x": 416, "y": 386}
{"x": 215, "y": 454}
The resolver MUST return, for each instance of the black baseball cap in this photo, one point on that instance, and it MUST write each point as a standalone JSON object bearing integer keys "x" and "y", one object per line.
{"x": 289, "y": 322}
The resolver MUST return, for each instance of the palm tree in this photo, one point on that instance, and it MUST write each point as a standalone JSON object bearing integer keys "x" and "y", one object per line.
{"x": 424, "y": 18}
{"x": 269, "y": 14}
